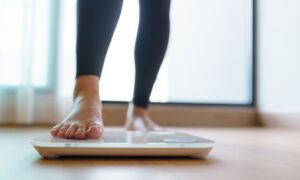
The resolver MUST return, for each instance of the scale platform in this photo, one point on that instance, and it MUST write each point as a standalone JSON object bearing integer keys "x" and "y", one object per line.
{"x": 126, "y": 143}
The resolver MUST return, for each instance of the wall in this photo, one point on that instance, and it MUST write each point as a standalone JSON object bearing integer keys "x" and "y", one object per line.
{"x": 279, "y": 61}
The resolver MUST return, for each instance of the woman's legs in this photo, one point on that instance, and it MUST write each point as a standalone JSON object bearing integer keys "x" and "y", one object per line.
{"x": 96, "y": 22}
{"x": 151, "y": 44}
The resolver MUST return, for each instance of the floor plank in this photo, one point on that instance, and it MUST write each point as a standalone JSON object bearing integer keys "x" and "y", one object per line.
{"x": 240, "y": 153}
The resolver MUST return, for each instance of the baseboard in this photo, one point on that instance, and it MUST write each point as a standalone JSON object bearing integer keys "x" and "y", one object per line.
{"x": 279, "y": 120}
{"x": 174, "y": 115}
{"x": 164, "y": 115}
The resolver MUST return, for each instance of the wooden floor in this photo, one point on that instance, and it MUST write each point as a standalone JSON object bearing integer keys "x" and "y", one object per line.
{"x": 245, "y": 153}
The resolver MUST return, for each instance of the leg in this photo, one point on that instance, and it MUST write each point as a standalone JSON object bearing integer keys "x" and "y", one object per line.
{"x": 96, "y": 21}
{"x": 151, "y": 45}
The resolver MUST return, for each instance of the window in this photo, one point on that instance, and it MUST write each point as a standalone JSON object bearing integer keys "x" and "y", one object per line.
{"x": 209, "y": 58}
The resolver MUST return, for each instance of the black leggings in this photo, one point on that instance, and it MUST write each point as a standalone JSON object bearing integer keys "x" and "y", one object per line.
{"x": 96, "y": 22}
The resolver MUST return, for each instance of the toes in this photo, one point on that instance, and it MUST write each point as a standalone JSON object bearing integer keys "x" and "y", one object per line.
{"x": 95, "y": 130}
{"x": 71, "y": 131}
{"x": 55, "y": 129}
{"x": 61, "y": 132}
{"x": 80, "y": 133}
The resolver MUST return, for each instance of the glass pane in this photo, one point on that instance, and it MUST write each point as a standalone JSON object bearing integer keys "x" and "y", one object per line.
{"x": 208, "y": 58}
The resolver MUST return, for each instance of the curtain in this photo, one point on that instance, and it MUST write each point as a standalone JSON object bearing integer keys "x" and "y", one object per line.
{"x": 31, "y": 89}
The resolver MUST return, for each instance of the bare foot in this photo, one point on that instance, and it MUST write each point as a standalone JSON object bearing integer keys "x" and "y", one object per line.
{"x": 85, "y": 119}
{"x": 138, "y": 119}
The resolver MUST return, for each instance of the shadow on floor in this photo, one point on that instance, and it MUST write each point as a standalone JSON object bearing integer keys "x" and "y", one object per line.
{"x": 121, "y": 160}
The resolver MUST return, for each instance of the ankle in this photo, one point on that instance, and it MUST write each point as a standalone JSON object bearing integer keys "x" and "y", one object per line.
{"x": 139, "y": 111}
{"x": 86, "y": 87}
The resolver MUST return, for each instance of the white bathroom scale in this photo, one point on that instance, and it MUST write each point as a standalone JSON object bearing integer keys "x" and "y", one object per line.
{"x": 126, "y": 143}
